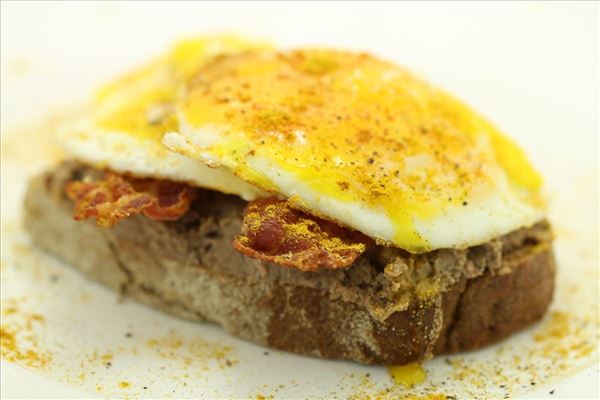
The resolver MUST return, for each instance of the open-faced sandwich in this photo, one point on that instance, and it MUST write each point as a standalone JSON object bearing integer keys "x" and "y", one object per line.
{"x": 318, "y": 201}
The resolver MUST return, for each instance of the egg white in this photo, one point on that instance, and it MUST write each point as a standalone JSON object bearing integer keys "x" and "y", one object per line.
{"x": 124, "y": 153}
{"x": 486, "y": 216}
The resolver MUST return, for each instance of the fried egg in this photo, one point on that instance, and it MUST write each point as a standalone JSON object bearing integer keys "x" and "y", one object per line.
{"x": 122, "y": 129}
{"x": 360, "y": 141}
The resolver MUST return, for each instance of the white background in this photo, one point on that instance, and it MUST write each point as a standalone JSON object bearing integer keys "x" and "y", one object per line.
{"x": 531, "y": 67}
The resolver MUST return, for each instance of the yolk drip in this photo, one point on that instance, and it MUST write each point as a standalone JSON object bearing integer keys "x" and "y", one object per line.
{"x": 408, "y": 375}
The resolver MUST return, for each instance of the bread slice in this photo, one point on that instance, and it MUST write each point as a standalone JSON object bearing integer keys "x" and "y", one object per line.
{"x": 390, "y": 307}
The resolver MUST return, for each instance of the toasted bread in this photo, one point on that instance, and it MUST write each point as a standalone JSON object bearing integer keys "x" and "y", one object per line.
{"x": 389, "y": 307}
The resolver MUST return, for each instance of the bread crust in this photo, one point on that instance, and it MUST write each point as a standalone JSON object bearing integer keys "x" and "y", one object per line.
{"x": 189, "y": 268}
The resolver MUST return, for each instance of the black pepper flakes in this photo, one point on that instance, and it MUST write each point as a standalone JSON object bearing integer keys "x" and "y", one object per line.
{"x": 370, "y": 160}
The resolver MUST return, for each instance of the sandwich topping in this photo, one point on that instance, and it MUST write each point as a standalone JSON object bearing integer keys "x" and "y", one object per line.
{"x": 275, "y": 232}
{"x": 272, "y": 230}
{"x": 116, "y": 197}
{"x": 336, "y": 136}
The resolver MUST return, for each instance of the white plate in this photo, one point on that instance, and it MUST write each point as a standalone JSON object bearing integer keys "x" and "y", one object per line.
{"x": 532, "y": 68}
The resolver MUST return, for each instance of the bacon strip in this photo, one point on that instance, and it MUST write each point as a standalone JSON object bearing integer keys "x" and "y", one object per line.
{"x": 116, "y": 197}
{"x": 274, "y": 232}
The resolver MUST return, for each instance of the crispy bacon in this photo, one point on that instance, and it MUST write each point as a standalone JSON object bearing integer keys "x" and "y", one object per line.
{"x": 116, "y": 197}
{"x": 277, "y": 233}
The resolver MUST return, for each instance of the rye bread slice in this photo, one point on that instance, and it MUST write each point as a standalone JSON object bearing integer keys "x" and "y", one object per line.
{"x": 390, "y": 307}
